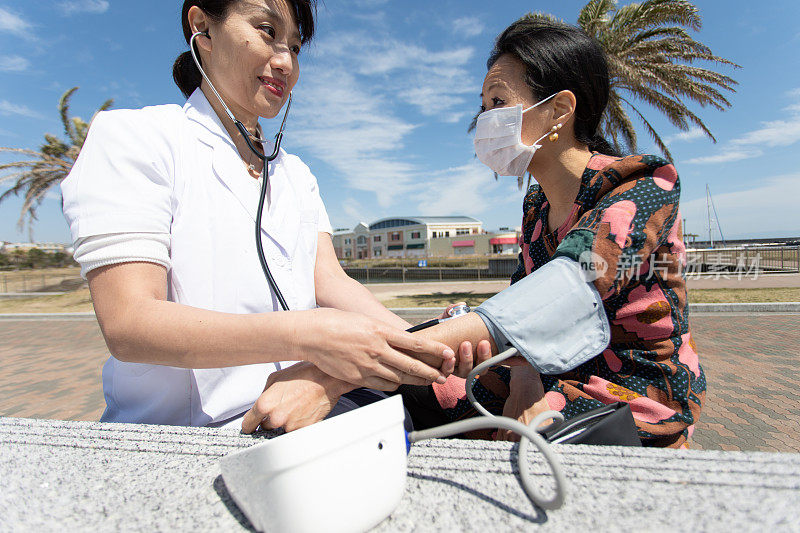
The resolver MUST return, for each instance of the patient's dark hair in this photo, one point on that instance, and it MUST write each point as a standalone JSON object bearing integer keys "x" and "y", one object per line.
{"x": 186, "y": 74}
{"x": 559, "y": 57}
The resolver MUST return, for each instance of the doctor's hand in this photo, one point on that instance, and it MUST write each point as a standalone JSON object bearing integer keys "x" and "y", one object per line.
{"x": 369, "y": 353}
{"x": 294, "y": 398}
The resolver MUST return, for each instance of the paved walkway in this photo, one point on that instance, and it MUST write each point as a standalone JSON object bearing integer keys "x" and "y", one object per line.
{"x": 52, "y": 369}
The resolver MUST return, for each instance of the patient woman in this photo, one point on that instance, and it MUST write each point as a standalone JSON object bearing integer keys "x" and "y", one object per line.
{"x": 598, "y": 305}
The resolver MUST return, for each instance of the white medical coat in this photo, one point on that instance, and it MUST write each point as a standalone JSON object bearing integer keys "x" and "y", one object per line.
{"x": 167, "y": 169}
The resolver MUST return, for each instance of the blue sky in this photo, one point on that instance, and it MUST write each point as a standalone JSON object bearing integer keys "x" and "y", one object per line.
{"x": 387, "y": 92}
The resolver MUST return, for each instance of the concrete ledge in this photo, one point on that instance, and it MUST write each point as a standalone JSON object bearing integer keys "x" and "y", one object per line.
{"x": 73, "y": 476}
{"x": 768, "y": 307}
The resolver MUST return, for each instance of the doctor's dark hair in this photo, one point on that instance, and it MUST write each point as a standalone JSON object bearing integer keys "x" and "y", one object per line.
{"x": 559, "y": 57}
{"x": 186, "y": 74}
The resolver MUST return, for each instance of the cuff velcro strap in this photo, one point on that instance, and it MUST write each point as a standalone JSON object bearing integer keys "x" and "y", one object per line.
{"x": 553, "y": 317}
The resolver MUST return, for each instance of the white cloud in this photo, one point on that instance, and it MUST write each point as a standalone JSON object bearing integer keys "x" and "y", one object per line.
{"x": 771, "y": 134}
{"x": 7, "y": 108}
{"x": 346, "y": 112}
{"x": 353, "y": 209}
{"x": 772, "y": 202}
{"x": 15, "y": 24}
{"x": 686, "y": 136}
{"x": 13, "y": 64}
{"x": 469, "y": 188}
{"x": 435, "y": 82}
{"x": 729, "y": 155}
{"x": 352, "y": 130}
{"x": 467, "y": 26}
{"x": 84, "y": 6}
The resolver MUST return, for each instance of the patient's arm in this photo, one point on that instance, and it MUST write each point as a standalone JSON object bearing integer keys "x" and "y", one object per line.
{"x": 458, "y": 331}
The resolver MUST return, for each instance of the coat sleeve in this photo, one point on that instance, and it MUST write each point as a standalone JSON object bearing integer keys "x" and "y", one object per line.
{"x": 122, "y": 182}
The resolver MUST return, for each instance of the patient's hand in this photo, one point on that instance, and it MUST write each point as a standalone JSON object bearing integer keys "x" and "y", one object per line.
{"x": 525, "y": 399}
{"x": 294, "y": 397}
{"x": 468, "y": 337}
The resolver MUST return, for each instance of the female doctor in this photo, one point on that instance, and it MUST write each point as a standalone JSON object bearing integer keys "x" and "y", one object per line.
{"x": 161, "y": 204}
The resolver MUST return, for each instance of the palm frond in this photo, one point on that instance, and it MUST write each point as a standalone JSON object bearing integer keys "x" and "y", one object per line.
{"x": 63, "y": 108}
{"x": 46, "y": 168}
{"x": 653, "y": 59}
{"x": 594, "y": 15}
{"x": 617, "y": 123}
{"x": 660, "y": 144}
{"x": 538, "y": 15}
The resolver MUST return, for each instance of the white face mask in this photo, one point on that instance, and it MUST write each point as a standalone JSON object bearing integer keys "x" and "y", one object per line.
{"x": 498, "y": 140}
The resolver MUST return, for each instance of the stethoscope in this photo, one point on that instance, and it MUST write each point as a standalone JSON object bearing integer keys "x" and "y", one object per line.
{"x": 250, "y": 139}
{"x": 528, "y": 433}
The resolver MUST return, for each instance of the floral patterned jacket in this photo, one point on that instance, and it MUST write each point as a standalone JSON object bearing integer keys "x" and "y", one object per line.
{"x": 626, "y": 225}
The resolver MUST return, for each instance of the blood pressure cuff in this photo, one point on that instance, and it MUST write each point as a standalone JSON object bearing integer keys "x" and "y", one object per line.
{"x": 553, "y": 317}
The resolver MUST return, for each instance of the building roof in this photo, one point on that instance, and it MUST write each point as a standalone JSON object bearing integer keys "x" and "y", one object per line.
{"x": 408, "y": 221}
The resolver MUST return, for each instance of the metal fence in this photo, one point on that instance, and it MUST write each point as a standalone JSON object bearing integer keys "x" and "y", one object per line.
{"x": 743, "y": 261}
{"x": 407, "y": 274}
{"x": 32, "y": 281}
{"x": 752, "y": 261}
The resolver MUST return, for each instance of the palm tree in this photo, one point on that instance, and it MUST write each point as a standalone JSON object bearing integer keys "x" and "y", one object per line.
{"x": 47, "y": 167}
{"x": 651, "y": 58}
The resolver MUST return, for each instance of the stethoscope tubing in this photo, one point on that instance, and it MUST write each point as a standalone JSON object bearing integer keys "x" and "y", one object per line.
{"x": 267, "y": 159}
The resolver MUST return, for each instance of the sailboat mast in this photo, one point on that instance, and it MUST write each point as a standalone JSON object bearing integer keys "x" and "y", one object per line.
{"x": 716, "y": 216}
{"x": 708, "y": 211}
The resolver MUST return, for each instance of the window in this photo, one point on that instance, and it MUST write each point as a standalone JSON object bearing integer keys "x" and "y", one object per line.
{"x": 415, "y": 234}
{"x": 446, "y": 233}
{"x": 395, "y": 236}
{"x": 347, "y": 253}
{"x": 462, "y": 232}
{"x": 393, "y": 223}
{"x": 361, "y": 240}
{"x": 347, "y": 241}
{"x": 377, "y": 238}
{"x": 376, "y": 252}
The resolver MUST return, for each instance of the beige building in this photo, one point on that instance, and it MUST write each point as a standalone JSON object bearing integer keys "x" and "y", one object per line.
{"x": 422, "y": 237}
{"x": 500, "y": 243}
{"x": 8, "y": 247}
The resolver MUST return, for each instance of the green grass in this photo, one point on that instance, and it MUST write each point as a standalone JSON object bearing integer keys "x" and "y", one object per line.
{"x": 714, "y": 296}
{"x": 438, "y": 299}
{"x": 79, "y": 301}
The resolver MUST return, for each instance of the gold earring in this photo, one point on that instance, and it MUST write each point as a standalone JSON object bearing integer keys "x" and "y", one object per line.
{"x": 554, "y": 136}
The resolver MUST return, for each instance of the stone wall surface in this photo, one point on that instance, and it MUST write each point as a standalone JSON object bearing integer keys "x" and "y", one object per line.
{"x": 70, "y": 476}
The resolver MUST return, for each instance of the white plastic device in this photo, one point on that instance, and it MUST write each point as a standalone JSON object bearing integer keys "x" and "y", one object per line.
{"x": 343, "y": 474}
